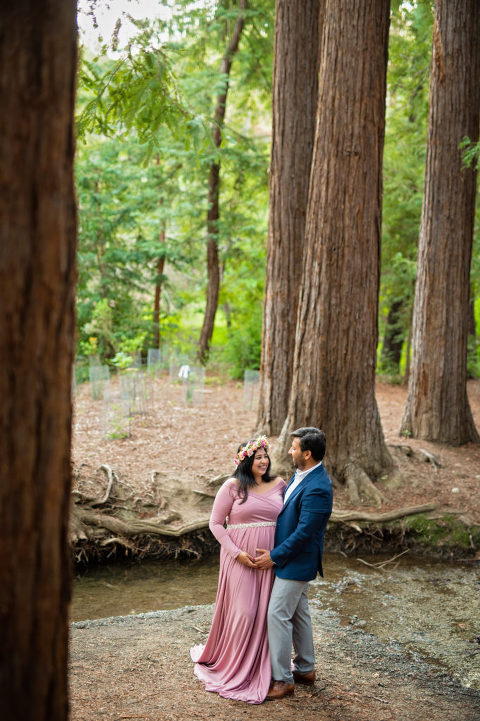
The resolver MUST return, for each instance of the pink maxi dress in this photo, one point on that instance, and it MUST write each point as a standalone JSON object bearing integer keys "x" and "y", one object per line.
{"x": 235, "y": 661}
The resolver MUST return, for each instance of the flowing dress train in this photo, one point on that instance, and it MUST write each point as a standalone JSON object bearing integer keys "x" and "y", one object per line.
{"x": 235, "y": 661}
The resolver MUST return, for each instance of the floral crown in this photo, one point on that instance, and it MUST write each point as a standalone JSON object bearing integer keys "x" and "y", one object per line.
{"x": 250, "y": 449}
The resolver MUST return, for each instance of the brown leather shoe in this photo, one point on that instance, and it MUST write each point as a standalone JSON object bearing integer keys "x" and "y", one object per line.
{"x": 279, "y": 689}
{"x": 307, "y": 678}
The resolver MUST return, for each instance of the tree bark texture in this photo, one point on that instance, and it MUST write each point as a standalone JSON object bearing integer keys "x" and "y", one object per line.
{"x": 37, "y": 284}
{"x": 437, "y": 407}
{"x": 295, "y": 91}
{"x": 336, "y": 339}
{"x": 213, "y": 212}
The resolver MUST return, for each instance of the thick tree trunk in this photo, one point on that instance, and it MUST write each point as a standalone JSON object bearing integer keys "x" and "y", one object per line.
{"x": 295, "y": 91}
{"x": 335, "y": 345}
{"x": 393, "y": 338}
{"x": 437, "y": 407}
{"x": 37, "y": 275}
{"x": 213, "y": 213}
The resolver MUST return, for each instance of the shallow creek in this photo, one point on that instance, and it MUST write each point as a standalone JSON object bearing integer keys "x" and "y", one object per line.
{"x": 430, "y": 608}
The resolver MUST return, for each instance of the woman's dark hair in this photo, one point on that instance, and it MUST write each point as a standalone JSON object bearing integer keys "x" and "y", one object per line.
{"x": 243, "y": 472}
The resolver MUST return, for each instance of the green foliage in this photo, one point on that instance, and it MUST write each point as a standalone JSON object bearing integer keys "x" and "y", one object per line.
{"x": 145, "y": 121}
{"x": 473, "y": 358}
{"x": 122, "y": 360}
{"x": 99, "y": 329}
{"x": 404, "y": 160}
{"x": 473, "y": 352}
{"x": 471, "y": 153}
{"x": 135, "y": 92}
{"x": 244, "y": 270}
{"x": 243, "y": 348}
{"x": 448, "y": 532}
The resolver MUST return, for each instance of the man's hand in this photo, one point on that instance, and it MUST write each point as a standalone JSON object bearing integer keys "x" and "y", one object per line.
{"x": 263, "y": 561}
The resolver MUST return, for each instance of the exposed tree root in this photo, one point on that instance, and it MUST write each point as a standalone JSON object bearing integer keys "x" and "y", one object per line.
{"x": 344, "y": 516}
{"x": 358, "y": 484}
{"x": 217, "y": 481}
{"x": 117, "y": 522}
{"x": 430, "y": 458}
{"x": 136, "y": 527}
{"x": 111, "y": 477}
{"x": 111, "y": 519}
{"x": 421, "y": 454}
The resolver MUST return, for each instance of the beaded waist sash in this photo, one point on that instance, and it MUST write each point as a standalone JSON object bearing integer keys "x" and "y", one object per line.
{"x": 251, "y": 525}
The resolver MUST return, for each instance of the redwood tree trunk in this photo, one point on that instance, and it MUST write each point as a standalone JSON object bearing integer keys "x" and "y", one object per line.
{"x": 213, "y": 213}
{"x": 295, "y": 92}
{"x": 333, "y": 383}
{"x": 437, "y": 407}
{"x": 37, "y": 274}
{"x": 213, "y": 264}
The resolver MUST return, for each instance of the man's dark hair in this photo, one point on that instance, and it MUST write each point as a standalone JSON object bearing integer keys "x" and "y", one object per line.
{"x": 313, "y": 440}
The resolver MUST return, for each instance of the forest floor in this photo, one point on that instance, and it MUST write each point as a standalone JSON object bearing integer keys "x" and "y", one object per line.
{"x": 138, "y": 667}
{"x": 186, "y": 446}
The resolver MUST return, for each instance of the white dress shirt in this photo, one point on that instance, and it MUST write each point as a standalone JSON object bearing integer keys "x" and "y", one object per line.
{"x": 299, "y": 476}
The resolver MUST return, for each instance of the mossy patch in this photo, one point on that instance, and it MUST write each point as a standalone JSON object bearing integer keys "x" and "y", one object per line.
{"x": 446, "y": 532}
{"x": 441, "y": 537}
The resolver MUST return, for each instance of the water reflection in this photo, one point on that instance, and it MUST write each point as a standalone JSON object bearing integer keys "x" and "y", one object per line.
{"x": 429, "y": 607}
{"x": 121, "y": 590}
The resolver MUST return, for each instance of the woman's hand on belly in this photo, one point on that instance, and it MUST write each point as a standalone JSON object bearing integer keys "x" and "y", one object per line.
{"x": 245, "y": 559}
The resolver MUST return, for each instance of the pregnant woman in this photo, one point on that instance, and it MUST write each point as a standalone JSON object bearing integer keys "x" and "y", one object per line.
{"x": 235, "y": 660}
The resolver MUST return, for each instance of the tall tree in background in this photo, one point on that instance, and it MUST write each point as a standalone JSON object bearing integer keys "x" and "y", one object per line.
{"x": 156, "y": 96}
{"x": 37, "y": 273}
{"x": 213, "y": 199}
{"x": 295, "y": 90}
{"x": 408, "y": 78}
{"x": 333, "y": 383}
{"x": 437, "y": 407}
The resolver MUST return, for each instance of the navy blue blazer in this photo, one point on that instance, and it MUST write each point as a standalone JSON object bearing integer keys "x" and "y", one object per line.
{"x": 298, "y": 546}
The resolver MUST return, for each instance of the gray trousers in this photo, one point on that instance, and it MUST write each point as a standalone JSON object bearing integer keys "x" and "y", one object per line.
{"x": 289, "y": 623}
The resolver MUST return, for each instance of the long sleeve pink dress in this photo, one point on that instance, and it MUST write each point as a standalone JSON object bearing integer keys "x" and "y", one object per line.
{"x": 235, "y": 661}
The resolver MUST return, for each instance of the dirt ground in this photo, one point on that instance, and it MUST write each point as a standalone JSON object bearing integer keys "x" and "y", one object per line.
{"x": 187, "y": 445}
{"x": 138, "y": 667}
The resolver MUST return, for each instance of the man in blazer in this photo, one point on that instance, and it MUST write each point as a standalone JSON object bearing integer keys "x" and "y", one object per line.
{"x": 297, "y": 557}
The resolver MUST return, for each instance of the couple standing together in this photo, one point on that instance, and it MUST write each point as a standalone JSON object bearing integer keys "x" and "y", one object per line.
{"x": 274, "y": 535}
